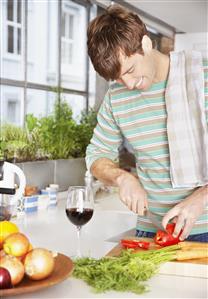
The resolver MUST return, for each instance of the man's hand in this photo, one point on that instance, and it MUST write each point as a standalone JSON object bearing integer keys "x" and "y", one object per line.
{"x": 130, "y": 190}
{"x": 187, "y": 212}
{"x": 132, "y": 193}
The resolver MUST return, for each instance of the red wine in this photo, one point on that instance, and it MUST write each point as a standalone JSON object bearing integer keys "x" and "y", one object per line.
{"x": 79, "y": 218}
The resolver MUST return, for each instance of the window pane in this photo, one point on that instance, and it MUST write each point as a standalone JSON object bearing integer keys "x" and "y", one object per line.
{"x": 11, "y": 103}
{"x": 12, "y": 110}
{"x": 73, "y": 67}
{"x": 71, "y": 24}
{"x": 76, "y": 102}
{"x": 10, "y": 39}
{"x": 63, "y": 24}
{"x": 10, "y": 60}
{"x": 43, "y": 42}
{"x": 66, "y": 52}
{"x": 10, "y": 10}
{"x": 19, "y": 11}
{"x": 63, "y": 52}
{"x": 19, "y": 41}
{"x": 39, "y": 102}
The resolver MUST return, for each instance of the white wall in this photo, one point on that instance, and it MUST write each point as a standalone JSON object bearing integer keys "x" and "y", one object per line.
{"x": 192, "y": 41}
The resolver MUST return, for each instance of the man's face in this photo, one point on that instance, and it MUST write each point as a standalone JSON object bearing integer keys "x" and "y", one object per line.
{"x": 137, "y": 71}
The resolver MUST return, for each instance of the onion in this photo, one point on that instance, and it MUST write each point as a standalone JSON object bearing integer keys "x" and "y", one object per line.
{"x": 14, "y": 266}
{"x": 39, "y": 263}
{"x": 5, "y": 279}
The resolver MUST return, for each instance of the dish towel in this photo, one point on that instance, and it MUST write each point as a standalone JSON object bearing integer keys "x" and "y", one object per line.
{"x": 186, "y": 120}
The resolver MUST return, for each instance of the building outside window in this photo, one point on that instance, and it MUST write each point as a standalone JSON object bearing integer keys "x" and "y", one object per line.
{"x": 12, "y": 106}
{"x": 14, "y": 27}
{"x": 67, "y": 37}
{"x": 43, "y": 45}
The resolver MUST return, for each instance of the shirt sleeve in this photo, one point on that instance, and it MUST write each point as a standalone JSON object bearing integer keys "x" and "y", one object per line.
{"x": 106, "y": 137}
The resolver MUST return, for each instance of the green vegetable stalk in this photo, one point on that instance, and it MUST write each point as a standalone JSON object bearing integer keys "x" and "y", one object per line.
{"x": 125, "y": 273}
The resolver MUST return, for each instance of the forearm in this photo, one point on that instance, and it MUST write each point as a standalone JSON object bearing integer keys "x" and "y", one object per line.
{"x": 108, "y": 172}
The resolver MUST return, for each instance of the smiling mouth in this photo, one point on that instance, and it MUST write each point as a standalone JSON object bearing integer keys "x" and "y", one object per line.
{"x": 139, "y": 83}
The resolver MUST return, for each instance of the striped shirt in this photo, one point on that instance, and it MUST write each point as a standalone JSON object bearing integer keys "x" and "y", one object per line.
{"x": 141, "y": 117}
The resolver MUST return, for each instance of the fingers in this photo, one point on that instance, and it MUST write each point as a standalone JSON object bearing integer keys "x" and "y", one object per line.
{"x": 187, "y": 229}
{"x": 183, "y": 222}
{"x": 135, "y": 204}
{"x": 179, "y": 225}
{"x": 169, "y": 215}
{"x": 127, "y": 201}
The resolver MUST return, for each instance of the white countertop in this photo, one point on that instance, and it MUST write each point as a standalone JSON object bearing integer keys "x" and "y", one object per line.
{"x": 52, "y": 230}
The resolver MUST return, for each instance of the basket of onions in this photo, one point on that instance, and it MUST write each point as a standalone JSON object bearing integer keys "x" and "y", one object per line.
{"x": 19, "y": 259}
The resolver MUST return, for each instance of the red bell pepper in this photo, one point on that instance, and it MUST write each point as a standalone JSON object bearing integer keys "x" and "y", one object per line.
{"x": 134, "y": 244}
{"x": 165, "y": 238}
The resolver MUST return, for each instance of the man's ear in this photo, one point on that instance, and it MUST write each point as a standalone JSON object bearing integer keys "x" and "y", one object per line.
{"x": 146, "y": 44}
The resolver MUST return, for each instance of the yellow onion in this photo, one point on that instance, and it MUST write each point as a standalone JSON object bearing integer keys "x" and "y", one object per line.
{"x": 14, "y": 266}
{"x": 39, "y": 263}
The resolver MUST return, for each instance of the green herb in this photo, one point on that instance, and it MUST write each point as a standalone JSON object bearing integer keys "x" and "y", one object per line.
{"x": 125, "y": 273}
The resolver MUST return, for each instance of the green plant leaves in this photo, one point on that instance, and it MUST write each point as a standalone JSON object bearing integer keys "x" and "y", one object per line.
{"x": 56, "y": 136}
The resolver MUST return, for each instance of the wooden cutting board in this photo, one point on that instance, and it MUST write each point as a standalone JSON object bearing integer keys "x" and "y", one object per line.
{"x": 117, "y": 250}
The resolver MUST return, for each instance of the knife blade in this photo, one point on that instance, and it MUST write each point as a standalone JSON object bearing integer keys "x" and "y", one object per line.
{"x": 153, "y": 219}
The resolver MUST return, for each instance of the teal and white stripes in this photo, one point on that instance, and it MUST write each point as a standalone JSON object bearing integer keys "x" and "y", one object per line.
{"x": 141, "y": 117}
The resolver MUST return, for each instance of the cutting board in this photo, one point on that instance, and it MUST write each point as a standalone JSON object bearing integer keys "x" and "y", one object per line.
{"x": 117, "y": 250}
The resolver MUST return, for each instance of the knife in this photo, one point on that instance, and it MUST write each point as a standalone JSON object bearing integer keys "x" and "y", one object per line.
{"x": 153, "y": 217}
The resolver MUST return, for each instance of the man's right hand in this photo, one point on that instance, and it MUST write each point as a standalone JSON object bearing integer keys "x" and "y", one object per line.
{"x": 132, "y": 194}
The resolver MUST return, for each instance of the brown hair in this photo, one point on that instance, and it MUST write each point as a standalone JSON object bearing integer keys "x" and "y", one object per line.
{"x": 116, "y": 30}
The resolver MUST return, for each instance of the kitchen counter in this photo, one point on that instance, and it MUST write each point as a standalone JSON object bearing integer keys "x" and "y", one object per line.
{"x": 51, "y": 229}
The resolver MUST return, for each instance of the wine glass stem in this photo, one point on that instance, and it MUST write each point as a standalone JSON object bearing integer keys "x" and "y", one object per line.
{"x": 78, "y": 241}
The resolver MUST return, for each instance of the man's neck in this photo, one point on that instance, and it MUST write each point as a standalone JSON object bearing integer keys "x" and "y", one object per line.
{"x": 162, "y": 66}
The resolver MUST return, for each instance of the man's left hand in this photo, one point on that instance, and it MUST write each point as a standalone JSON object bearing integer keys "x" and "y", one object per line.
{"x": 187, "y": 212}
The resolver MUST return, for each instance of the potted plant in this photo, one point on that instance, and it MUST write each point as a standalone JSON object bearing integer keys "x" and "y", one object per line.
{"x": 50, "y": 149}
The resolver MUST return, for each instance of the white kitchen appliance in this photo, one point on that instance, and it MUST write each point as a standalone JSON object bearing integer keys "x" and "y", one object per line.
{"x": 9, "y": 195}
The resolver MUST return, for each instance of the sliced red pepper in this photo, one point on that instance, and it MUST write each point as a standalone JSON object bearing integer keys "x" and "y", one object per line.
{"x": 170, "y": 228}
{"x": 165, "y": 238}
{"x": 128, "y": 243}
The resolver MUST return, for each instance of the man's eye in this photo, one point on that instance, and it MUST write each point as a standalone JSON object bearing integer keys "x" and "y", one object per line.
{"x": 130, "y": 71}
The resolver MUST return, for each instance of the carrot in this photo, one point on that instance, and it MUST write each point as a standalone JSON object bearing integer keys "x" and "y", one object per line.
{"x": 191, "y": 254}
{"x": 195, "y": 245}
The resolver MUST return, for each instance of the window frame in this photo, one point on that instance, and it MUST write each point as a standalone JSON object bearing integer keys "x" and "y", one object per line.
{"x": 24, "y": 37}
{"x": 16, "y": 96}
{"x": 15, "y": 25}
{"x": 68, "y": 40}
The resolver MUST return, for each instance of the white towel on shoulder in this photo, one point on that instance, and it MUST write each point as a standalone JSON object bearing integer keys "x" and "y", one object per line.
{"x": 186, "y": 121}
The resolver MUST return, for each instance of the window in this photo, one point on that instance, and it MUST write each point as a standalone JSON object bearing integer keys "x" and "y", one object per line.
{"x": 14, "y": 27}
{"x": 76, "y": 102}
{"x": 67, "y": 38}
{"x": 43, "y": 47}
{"x": 42, "y": 42}
{"x": 73, "y": 45}
{"x": 11, "y": 104}
{"x": 40, "y": 103}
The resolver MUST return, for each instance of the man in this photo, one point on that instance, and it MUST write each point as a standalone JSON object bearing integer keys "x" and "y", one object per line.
{"x": 135, "y": 107}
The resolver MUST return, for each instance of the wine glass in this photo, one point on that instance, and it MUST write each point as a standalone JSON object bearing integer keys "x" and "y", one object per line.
{"x": 79, "y": 209}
